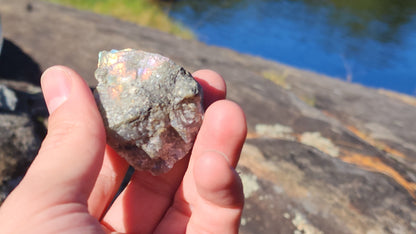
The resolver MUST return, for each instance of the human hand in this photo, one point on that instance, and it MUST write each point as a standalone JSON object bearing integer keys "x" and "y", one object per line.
{"x": 71, "y": 183}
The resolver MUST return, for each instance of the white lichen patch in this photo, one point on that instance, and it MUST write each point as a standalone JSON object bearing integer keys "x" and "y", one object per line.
{"x": 243, "y": 221}
{"x": 303, "y": 225}
{"x": 250, "y": 184}
{"x": 284, "y": 177}
{"x": 286, "y": 215}
{"x": 315, "y": 139}
{"x": 275, "y": 131}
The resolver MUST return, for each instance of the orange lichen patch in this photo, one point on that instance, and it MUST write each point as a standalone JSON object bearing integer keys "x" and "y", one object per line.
{"x": 401, "y": 97}
{"x": 375, "y": 164}
{"x": 378, "y": 144}
{"x": 358, "y": 132}
{"x": 329, "y": 114}
{"x": 252, "y": 135}
{"x": 390, "y": 150}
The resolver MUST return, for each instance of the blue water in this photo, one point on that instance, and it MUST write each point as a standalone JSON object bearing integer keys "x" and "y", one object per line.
{"x": 359, "y": 41}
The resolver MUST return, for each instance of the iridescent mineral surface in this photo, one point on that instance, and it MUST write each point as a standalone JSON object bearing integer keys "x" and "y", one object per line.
{"x": 151, "y": 108}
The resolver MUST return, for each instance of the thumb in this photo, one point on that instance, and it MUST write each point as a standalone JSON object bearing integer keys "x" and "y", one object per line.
{"x": 71, "y": 155}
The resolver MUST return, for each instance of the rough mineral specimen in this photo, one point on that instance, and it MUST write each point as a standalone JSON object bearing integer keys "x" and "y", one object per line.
{"x": 151, "y": 108}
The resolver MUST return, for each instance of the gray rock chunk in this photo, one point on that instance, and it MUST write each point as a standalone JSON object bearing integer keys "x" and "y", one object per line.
{"x": 8, "y": 99}
{"x": 151, "y": 108}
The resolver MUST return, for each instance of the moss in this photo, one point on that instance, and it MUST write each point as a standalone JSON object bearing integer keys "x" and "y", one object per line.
{"x": 142, "y": 12}
{"x": 278, "y": 78}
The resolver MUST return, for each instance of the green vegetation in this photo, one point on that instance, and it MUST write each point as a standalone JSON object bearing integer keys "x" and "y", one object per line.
{"x": 142, "y": 12}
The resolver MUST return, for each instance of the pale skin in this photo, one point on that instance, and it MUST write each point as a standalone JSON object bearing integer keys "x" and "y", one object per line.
{"x": 74, "y": 177}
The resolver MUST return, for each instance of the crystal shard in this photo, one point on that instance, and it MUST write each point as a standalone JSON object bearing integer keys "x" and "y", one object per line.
{"x": 151, "y": 108}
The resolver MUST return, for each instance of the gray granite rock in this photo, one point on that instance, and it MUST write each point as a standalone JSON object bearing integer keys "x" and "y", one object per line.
{"x": 151, "y": 108}
{"x": 21, "y": 131}
{"x": 18, "y": 146}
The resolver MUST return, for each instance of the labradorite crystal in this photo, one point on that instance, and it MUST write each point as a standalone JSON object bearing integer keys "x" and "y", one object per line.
{"x": 151, "y": 108}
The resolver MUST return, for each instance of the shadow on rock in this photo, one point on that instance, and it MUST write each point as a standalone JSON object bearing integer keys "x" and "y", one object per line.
{"x": 17, "y": 65}
{"x": 22, "y": 115}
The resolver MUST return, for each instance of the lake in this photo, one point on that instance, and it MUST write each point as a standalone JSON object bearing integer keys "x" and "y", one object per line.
{"x": 371, "y": 42}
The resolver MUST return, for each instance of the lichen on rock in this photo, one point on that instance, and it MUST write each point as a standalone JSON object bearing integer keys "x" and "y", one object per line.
{"x": 151, "y": 108}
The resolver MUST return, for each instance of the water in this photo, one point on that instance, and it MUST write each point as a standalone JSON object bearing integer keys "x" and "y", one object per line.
{"x": 372, "y": 42}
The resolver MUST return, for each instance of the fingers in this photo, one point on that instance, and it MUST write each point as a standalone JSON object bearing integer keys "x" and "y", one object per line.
{"x": 210, "y": 186}
{"x": 224, "y": 131}
{"x": 143, "y": 202}
{"x": 70, "y": 157}
{"x": 216, "y": 204}
{"x": 217, "y": 150}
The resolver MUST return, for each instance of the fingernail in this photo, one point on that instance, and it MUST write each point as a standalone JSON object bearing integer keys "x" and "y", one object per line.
{"x": 56, "y": 87}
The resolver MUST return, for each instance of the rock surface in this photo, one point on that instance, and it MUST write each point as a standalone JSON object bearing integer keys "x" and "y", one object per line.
{"x": 322, "y": 155}
{"x": 151, "y": 108}
{"x": 19, "y": 146}
{"x": 21, "y": 133}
